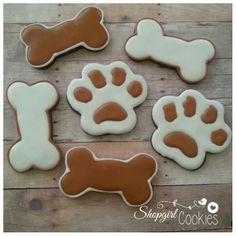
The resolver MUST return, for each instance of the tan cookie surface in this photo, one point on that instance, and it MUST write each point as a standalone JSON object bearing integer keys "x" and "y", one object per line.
{"x": 44, "y": 43}
{"x": 130, "y": 178}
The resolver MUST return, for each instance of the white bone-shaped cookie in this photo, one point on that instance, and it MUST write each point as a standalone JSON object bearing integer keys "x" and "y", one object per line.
{"x": 32, "y": 104}
{"x": 190, "y": 58}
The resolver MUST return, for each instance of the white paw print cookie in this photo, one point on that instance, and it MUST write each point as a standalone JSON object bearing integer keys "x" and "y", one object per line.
{"x": 190, "y": 58}
{"x": 189, "y": 125}
{"x": 105, "y": 97}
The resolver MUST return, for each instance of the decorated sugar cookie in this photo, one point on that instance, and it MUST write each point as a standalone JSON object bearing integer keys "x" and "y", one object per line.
{"x": 32, "y": 104}
{"x": 189, "y": 126}
{"x": 190, "y": 58}
{"x": 44, "y": 43}
{"x": 105, "y": 97}
{"x": 130, "y": 178}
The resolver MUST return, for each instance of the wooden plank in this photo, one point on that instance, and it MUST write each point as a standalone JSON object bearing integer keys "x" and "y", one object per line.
{"x": 48, "y": 210}
{"x": 216, "y": 169}
{"x": 219, "y": 33}
{"x": 219, "y": 66}
{"x": 32, "y": 201}
{"x": 27, "y": 13}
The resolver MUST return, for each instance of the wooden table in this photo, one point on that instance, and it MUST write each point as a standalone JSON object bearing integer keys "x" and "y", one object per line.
{"x": 33, "y": 202}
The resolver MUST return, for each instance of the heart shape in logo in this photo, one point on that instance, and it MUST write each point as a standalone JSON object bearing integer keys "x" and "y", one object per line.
{"x": 212, "y": 207}
{"x": 202, "y": 202}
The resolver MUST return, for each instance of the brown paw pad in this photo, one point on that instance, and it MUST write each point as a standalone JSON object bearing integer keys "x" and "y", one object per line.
{"x": 135, "y": 89}
{"x": 110, "y": 111}
{"x": 118, "y": 76}
{"x": 170, "y": 112}
{"x": 219, "y": 137}
{"x": 82, "y": 94}
{"x": 97, "y": 78}
{"x": 183, "y": 142}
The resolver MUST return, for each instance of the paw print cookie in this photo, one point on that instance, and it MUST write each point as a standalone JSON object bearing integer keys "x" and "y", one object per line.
{"x": 189, "y": 125}
{"x": 105, "y": 97}
{"x": 190, "y": 58}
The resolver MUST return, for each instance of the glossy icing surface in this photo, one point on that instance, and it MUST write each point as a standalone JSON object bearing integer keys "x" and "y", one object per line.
{"x": 190, "y": 127}
{"x": 190, "y": 58}
{"x": 32, "y": 104}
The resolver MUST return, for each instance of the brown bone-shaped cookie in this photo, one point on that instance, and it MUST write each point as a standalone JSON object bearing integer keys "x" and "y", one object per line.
{"x": 44, "y": 43}
{"x": 130, "y": 178}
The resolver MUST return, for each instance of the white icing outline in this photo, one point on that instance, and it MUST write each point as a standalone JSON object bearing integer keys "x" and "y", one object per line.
{"x": 17, "y": 154}
{"x": 56, "y": 54}
{"x": 138, "y": 48}
{"x": 89, "y": 189}
{"x": 192, "y": 126}
{"x": 109, "y": 93}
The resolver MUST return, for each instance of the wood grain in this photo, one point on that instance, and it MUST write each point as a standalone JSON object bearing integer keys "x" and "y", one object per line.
{"x": 32, "y": 201}
{"x": 48, "y": 210}
{"x": 119, "y": 12}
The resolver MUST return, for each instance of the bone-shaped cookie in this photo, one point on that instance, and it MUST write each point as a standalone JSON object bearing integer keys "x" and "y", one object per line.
{"x": 32, "y": 105}
{"x": 44, "y": 43}
{"x": 190, "y": 58}
{"x": 130, "y": 178}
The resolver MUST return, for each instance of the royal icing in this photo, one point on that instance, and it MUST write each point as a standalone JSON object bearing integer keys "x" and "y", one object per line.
{"x": 190, "y": 58}
{"x": 130, "y": 178}
{"x": 32, "y": 104}
{"x": 44, "y": 43}
{"x": 189, "y": 125}
{"x": 105, "y": 97}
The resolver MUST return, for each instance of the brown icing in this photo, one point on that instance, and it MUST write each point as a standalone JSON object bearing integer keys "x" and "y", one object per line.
{"x": 44, "y": 42}
{"x": 110, "y": 111}
{"x": 189, "y": 106}
{"x": 210, "y": 115}
{"x": 83, "y": 94}
{"x": 118, "y": 76}
{"x": 108, "y": 175}
{"x": 219, "y": 137}
{"x": 170, "y": 112}
{"x": 135, "y": 89}
{"x": 183, "y": 142}
{"x": 97, "y": 78}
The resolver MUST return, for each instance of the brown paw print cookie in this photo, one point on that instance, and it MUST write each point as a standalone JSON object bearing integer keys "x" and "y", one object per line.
{"x": 190, "y": 58}
{"x": 32, "y": 104}
{"x": 130, "y": 178}
{"x": 105, "y": 97}
{"x": 189, "y": 125}
{"x": 44, "y": 43}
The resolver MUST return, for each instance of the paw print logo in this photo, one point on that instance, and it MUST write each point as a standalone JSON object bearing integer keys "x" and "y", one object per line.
{"x": 189, "y": 126}
{"x": 105, "y": 97}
